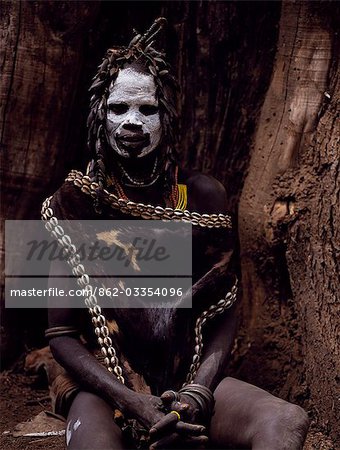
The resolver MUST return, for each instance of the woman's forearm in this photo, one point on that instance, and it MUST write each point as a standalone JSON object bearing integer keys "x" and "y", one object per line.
{"x": 91, "y": 375}
{"x": 217, "y": 351}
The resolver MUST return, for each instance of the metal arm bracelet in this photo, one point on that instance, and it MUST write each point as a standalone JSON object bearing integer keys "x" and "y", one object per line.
{"x": 202, "y": 396}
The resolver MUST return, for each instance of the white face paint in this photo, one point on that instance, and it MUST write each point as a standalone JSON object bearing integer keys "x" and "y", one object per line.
{"x": 133, "y": 123}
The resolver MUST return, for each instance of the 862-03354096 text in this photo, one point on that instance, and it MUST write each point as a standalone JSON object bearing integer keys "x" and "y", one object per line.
{"x": 101, "y": 292}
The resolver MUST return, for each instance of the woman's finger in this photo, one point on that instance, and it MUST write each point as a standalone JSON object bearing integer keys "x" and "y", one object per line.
{"x": 196, "y": 441}
{"x": 179, "y": 406}
{"x": 169, "y": 396}
{"x": 165, "y": 442}
{"x": 175, "y": 438}
{"x": 164, "y": 424}
{"x": 189, "y": 428}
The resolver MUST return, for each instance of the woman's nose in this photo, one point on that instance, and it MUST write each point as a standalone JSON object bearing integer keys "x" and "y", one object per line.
{"x": 133, "y": 120}
{"x": 132, "y": 126}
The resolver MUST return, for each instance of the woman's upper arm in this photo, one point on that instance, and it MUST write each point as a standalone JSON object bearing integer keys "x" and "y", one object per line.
{"x": 63, "y": 305}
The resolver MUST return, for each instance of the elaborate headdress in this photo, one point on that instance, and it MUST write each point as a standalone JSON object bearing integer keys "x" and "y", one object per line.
{"x": 139, "y": 49}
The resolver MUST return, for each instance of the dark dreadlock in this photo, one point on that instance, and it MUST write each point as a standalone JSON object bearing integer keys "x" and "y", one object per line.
{"x": 139, "y": 49}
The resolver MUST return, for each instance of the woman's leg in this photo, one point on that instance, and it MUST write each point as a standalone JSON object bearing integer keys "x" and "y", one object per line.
{"x": 90, "y": 425}
{"x": 249, "y": 417}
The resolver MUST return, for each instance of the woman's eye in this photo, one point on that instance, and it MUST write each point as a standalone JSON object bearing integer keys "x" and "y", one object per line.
{"x": 148, "y": 110}
{"x": 118, "y": 108}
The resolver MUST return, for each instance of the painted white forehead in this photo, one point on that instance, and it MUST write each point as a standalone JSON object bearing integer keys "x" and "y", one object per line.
{"x": 130, "y": 82}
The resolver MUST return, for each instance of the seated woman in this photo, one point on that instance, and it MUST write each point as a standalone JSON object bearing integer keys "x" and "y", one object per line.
{"x": 162, "y": 371}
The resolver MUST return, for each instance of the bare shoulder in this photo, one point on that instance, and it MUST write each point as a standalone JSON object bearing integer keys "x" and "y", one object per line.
{"x": 205, "y": 193}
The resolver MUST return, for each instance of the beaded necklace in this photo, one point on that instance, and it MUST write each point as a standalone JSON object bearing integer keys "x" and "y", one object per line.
{"x": 172, "y": 200}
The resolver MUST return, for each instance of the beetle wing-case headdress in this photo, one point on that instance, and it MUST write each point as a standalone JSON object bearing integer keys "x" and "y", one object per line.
{"x": 140, "y": 49}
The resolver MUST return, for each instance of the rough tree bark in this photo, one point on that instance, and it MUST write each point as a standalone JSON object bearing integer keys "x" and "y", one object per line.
{"x": 42, "y": 50}
{"x": 224, "y": 54}
{"x": 289, "y": 221}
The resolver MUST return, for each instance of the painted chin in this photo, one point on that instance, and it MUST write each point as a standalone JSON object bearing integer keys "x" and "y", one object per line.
{"x": 133, "y": 146}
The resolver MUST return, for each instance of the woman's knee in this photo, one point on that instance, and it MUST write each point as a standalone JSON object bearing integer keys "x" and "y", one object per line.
{"x": 249, "y": 416}
{"x": 90, "y": 425}
{"x": 285, "y": 426}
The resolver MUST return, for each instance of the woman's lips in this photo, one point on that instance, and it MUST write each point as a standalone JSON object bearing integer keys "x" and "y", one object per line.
{"x": 133, "y": 140}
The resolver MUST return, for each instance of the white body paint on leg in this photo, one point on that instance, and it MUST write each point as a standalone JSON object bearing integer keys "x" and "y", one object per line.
{"x": 77, "y": 425}
{"x": 69, "y": 428}
{"x": 68, "y": 433}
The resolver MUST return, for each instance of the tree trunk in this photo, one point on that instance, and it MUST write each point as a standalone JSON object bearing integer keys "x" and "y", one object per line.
{"x": 42, "y": 52}
{"x": 288, "y": 221}
{"x": 224, "y": 58}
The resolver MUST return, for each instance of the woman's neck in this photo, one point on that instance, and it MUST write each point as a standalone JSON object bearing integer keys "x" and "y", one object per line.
{"x": 142, "y": 180}
{"x": 153, "y": 194}
{"x": 139, "y": 172}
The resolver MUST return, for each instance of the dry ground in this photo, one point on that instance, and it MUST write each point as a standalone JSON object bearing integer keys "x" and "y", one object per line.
{"x": 23, "y": 396}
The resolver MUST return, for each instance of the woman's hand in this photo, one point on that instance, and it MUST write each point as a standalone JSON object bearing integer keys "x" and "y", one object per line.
{"x": 183, "y": 404}
{"x": 178, "y": 429}
{"x": 169, "y": 429}
{"x": 146, "y": 409}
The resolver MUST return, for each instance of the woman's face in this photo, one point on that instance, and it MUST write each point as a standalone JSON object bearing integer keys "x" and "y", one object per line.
{"x": 133, "y": 124}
